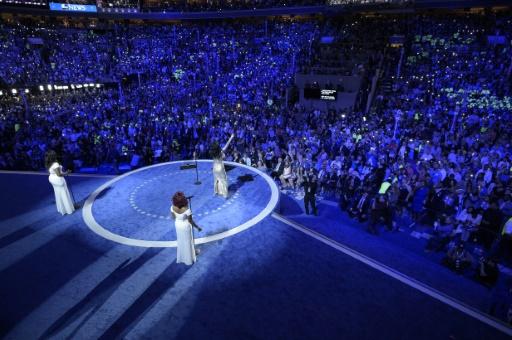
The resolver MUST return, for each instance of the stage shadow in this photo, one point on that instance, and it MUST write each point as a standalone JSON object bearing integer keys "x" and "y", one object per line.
{"x": 100, "y": 294}
{"x": 147, "y": 299}
{"x": 25, "y": 231}
{"x": 40, "y": 274}
{"x": 103, "y": 193}
{"x": 240, "y": 182}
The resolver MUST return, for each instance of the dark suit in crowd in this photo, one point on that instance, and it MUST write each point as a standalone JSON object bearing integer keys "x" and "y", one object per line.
{"x": 360, "y": 206}
{"x": 310, "y": 185}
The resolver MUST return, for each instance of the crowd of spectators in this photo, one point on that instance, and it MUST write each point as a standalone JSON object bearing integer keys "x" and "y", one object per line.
{"x": 437, "y": 150}
{"x": 220, "y": 5}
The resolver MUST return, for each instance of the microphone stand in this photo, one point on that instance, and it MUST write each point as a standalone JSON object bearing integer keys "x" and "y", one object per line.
{"x": 197, "y": 182}
{"x": 190, "y": 201}
{"x": 190, "y": 207}
{"x": 189, "y": 198}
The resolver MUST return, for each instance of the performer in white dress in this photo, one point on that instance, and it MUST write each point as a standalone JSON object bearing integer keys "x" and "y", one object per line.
{"x": 180, "y": 212}
{"x": 220, "y": 179}
{"x": 63, "y": 200}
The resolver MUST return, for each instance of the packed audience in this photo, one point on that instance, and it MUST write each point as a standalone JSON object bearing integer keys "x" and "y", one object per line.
{"x": 220, "y": 5}
{"x": 435, "y": 152}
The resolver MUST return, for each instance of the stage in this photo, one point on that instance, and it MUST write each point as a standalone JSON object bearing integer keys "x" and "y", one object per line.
{"x": 134, "y": 209}
{"x": 109, "y": 269}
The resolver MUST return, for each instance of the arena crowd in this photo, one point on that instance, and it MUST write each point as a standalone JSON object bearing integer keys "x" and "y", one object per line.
{"x": 435, "y": 148}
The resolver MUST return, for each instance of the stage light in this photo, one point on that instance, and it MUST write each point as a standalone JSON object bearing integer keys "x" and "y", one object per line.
{"x": 14, "y": 91}
{"x": 72, "y": 86}
{"x": 41, "y": 88}
{"x": 98, "y": 85}
{"x": 86, "y": 85}
{"x": 65, "y": 87}
{"x": 91, "y": 85}
{"x": 49, "y": 87}
{"x": 27, "y": 90}
{"x": 79, "y": 86}
{"x": 1, "y": 93}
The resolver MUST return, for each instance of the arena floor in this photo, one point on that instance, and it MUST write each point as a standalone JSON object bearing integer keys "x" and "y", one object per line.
{"x": 288, "y": 275}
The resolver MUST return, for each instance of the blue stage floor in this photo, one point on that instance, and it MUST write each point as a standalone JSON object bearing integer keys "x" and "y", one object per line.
{"x": 58, "y": 279}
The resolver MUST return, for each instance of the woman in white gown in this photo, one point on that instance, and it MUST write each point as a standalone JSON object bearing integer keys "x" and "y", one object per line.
{"x": 180, "y": 212}
{"x": 63, "y": 200}
{"x": 220, "y": 179}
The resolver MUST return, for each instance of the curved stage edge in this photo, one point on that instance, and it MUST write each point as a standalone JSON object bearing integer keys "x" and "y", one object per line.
{"x": 96, "y": 227}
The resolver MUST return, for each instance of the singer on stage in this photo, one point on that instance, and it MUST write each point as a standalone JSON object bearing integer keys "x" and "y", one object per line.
{"x": 220, "y": 179}
{"x": 63, "y": 198}
{"x": 182, "y": 216}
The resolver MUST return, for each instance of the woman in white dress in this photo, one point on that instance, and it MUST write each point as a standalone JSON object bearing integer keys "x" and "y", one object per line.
{"x": 180, "y": 212}
{"x": 287, "y": 175}
{"x": 63, "y": 200}
{"x": 220, "y": 179}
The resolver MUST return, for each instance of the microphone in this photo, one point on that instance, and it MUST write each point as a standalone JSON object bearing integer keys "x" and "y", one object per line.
{"x": 189, "y": 197}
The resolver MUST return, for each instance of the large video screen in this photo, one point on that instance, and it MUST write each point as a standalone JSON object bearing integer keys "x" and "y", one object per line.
{"x": 322, "y": 94}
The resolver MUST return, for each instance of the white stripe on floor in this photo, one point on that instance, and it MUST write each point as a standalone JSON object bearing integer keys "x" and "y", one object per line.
{"x": 183, "y": 292}
{"x": 19, "y": 222}
{"x": 124, "y": 296}
{"x": 76, "y": 289}
{"x": 474, "y": 313}
{"x": 23, "y": 247}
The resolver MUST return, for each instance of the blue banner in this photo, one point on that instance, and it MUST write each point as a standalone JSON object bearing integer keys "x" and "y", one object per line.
{"x": 72, "y": 7}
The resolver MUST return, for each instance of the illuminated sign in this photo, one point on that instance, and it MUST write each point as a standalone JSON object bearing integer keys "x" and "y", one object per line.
{"x": 72, "y": 7}
{"x": 328, "y": 94}
{"x": 323, "y": 94}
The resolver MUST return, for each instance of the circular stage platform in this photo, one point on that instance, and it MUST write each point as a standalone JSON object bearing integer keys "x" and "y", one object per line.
{"x": 134, "y": 208}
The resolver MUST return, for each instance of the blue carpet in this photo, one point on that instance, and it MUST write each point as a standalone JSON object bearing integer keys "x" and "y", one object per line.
{"x": 137, "y": 206}
{"x": 60, "y": 280}
{"x": 395, "y": 249}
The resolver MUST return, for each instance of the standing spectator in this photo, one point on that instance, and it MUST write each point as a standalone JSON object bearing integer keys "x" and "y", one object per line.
{"x": 491, "y": 224}
{"x": 380, "y": 211}
{"x": 310, "y": 186}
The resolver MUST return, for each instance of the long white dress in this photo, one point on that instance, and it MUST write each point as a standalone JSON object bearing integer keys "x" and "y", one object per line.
{"x": 220, "y": 179}
{"x": 65, "y": 204}
{"x": 186, "y": 252}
